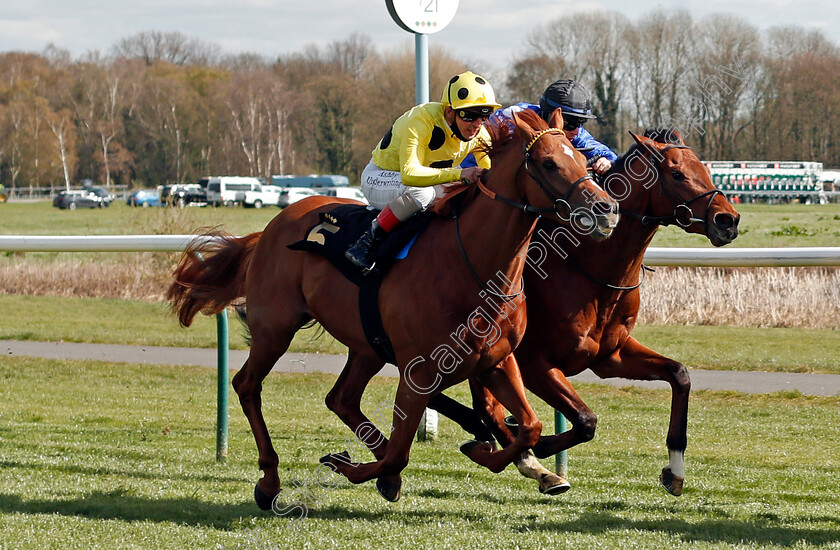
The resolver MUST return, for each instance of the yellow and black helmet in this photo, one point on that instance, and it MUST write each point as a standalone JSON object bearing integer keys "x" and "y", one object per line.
{"x": 470, "y": 92}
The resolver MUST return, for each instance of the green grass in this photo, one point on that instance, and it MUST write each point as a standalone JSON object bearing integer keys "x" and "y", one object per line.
{"x": 762, "y": 225}
{"x": 139, "y": 323}
{"x": 770, "y": 225}
{"x": 41, "y": 218}
{"x": 99, "y": 455}
{"x": 746, "y": 348}
{"x": 101, "y": 321}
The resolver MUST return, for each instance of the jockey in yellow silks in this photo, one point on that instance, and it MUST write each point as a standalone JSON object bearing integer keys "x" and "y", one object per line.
{"x": 420, "y": 152}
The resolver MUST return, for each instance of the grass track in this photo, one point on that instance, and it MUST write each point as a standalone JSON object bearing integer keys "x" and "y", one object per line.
{"x": 99, "y": 455}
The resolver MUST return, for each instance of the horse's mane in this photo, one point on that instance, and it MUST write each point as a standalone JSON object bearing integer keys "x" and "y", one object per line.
{"x": 666, "y": 136}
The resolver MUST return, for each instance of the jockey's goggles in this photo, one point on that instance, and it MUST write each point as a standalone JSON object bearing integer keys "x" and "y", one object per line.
{"x": 571, "y": 123}
{"x": 470, "y": 115}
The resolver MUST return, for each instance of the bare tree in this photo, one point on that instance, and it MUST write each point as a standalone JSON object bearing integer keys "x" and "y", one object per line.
{"x": 724, "y": 61}
{"x": 170, "y": 47}
{"x": 63, "y": 129}
{"x": 659, "y": 47}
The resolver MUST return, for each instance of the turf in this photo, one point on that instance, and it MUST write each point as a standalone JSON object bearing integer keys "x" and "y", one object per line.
{"x": 99, "y": 455}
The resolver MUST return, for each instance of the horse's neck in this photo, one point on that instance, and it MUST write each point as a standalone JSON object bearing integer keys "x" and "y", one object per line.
{"x": 495, "y": 237}
{"x": 618, "y": 260}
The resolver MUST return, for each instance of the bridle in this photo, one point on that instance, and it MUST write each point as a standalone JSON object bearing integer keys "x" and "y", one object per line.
{"x": 561, "y": 204}
{"x": 682, "y": 214}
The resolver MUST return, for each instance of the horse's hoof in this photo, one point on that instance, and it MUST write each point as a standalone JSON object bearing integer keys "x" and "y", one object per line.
{"x": 263, "y": 500}
{"x": 670, "y": 482}
{"x": 343, "y": 456}
{"x": 512, "y": 424}
{"x": 471, "y": 447}
{"x": 390, "y": 487}
{"x": 552, "y": 484}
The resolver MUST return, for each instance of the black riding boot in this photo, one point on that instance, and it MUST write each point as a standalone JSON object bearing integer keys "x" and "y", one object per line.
{"x": 361, "y": 253}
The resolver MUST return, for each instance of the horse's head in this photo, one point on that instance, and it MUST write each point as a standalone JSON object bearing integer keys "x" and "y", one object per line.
{"x": 678, "y": 187}
{"x": 551, "y": 176}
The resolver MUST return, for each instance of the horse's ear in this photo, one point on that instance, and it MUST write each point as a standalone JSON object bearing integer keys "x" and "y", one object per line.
{"x": 646, "y": 143}
{"x": 556, "y": 118}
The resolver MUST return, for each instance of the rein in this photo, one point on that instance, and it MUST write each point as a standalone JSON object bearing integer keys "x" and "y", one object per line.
{"x": 682, "y": 210}
{"x": 482, "y": 284}
{"x": 559, "y": 202}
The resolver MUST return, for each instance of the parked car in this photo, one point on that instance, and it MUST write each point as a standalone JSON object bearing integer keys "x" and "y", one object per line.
{"x": 144, "y": 198}
{"x": 106, "y": 197}
{"x": 290, "y": 195}
{"x": 183, "y": 194}
{"x": 72, "y": 200}
{"x": 343, "y": 192}
{"x": 262, "y": 196}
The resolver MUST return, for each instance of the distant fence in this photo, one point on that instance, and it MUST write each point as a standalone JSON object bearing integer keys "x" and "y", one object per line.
{"x": 655, "y": 256}
{"x": 687, "y": 257}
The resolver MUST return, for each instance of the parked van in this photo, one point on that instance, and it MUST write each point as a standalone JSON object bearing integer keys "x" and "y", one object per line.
{"x": 229, "y": 190}
{"x": 312, "y": 180}
{"x": 343, "y": 192}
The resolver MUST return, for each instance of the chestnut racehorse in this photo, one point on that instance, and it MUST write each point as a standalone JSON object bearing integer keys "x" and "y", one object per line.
{"x": 583, "y": 298}
{"x": 431, "y": 305}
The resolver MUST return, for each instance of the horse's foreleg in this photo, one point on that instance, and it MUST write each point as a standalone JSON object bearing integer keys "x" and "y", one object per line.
{"x": 636, "y": 362}
{"x": 505, "y": 382}
{"x": 467, "y": 418}
{"x": 527, "y": 464}
{"x": 549, "y": 383}
{"x": 248, "y": 385}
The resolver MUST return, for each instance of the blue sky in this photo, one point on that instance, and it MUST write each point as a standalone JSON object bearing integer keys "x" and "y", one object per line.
{"x": 490, "y": 31}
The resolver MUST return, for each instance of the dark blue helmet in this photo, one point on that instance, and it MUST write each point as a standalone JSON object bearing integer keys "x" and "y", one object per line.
{"x": 570, "y": 96}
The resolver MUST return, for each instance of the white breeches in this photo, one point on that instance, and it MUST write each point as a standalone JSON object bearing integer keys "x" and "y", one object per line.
{"x": 380, "y": 187}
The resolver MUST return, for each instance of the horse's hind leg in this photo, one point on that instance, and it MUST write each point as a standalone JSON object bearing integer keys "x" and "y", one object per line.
{"x": 408, "y": 408}
{"x": 266, "y": 349}
{"x": 345, "y": 398}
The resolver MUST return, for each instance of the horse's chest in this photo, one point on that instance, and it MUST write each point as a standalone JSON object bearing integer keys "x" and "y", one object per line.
{"x": 609, "y": 331}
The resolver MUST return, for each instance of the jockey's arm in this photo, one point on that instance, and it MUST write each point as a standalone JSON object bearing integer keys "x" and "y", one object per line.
{"x": 413, "y": 160}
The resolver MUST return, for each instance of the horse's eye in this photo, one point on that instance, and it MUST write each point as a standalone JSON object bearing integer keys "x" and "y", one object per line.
{"x": 677, "y": 175}
{"x": 549, "y": 164}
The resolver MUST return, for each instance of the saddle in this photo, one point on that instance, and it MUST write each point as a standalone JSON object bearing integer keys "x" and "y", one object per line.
{"x": 335, "y": 232}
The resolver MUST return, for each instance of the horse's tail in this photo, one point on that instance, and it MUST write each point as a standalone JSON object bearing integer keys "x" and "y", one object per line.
{"x": 210, "y": 274}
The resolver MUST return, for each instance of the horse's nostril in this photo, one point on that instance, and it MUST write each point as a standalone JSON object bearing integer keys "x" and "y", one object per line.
{"x": 602, "y": 208}
{"x": 725, "y": 221}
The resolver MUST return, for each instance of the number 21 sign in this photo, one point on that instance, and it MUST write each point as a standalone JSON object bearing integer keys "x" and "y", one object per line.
{"x": 422, "y": 16}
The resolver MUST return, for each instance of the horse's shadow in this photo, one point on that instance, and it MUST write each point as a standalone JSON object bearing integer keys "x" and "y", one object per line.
{"x": 758, "y": 529}
{"x": 117, "y": 505}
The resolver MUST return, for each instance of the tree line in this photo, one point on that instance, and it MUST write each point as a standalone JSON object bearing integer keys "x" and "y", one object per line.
{"x": 163, "y": 108}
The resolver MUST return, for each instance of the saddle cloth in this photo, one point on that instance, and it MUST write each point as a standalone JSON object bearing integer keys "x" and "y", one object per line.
{"x": 335, "y": 232}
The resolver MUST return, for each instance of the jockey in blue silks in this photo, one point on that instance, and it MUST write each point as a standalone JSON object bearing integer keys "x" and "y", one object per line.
{"x": 573, "y": 99}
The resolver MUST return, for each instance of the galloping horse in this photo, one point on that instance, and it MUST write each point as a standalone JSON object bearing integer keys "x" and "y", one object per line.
{"x": 580, "y": 316}
{"x": 431, "y": 307}
{"x": 583, "y": 299}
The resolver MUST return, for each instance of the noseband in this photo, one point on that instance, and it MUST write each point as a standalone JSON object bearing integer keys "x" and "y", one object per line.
{"x": 682, "y": 214}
